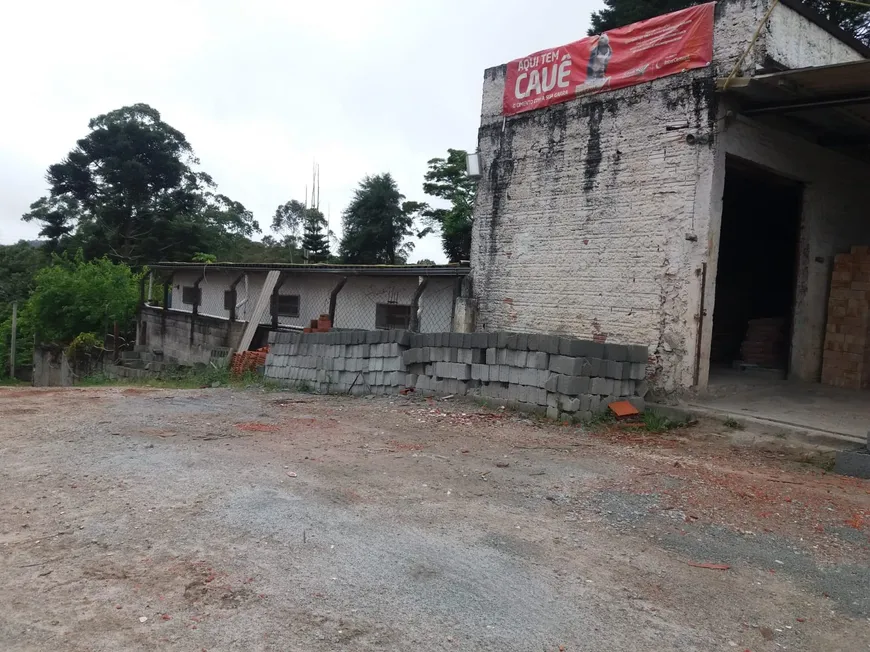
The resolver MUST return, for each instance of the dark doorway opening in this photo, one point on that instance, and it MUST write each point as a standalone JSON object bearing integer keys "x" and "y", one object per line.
{"x": 755, "y": 279}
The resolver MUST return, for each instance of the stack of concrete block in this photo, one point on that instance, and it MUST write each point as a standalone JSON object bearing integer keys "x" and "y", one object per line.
{"x": 564, "y": 378}
{"x": 356, "y": 362}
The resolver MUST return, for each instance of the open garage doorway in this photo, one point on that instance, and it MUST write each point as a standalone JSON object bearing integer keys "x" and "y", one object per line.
{"x": 755, "y": 278}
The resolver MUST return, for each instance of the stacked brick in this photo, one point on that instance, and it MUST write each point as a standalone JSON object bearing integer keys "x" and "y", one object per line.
{"x": 248, "y": 361}
{"x": 355, "y": 362}
{"x": 765, "y": 342}
{"x": 561, "y": 377}
{"x": 565, "y": 378}
{"x": 322, "y": 324}
{"x": 846, "y": 358}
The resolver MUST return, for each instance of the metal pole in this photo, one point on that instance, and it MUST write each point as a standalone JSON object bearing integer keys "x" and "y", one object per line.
{"x": 12, "y": 343}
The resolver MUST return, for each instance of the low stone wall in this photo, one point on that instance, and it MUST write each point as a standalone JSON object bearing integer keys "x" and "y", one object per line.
{"x": 565, "y": 378}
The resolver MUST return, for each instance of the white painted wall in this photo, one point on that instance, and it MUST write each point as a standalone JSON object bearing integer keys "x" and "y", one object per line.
{"x": 582, "y": 216}
{"x": 355, "y": 306}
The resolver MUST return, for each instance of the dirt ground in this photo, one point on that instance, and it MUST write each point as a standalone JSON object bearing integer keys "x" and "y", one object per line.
{"x": 221, "y": 519}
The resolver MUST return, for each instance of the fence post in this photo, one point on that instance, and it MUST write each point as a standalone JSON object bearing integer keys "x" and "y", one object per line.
{"x": 14, "y": 337}
{"x": 274, "y": 301}
{"x": 414, "y": 325}
{"x": 166, "y": 285}
{"x": 333, "y": 299}
{"x": 196, "y": 301}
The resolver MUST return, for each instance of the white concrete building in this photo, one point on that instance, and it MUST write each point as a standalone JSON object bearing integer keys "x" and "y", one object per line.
{"x": 673, "y": 212}
{"x": 210, "y": 304}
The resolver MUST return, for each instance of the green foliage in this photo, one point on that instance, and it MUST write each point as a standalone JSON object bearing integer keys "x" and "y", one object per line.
{"x": 128, "y": 190}
{"x": 448, "y": 179}
{"x": 83, "y": 344}
{"x": 18, "y": 266}
{"x": 314, "y": 239}
{"x": 23, "y": 341}
{"x": 853, "y": 19}
{"x": 204, "y": 258}
{"x": 376, "y": 224}
{"x": 294, "y": 216}
{"x": 734, "y": 424}
{"x": 655, "y": 422}
{"x": 73, "y": 296}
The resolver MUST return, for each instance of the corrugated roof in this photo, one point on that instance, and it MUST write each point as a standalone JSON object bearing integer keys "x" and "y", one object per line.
{"x": 339, "y": 270}
{"x": 830, "y": 103}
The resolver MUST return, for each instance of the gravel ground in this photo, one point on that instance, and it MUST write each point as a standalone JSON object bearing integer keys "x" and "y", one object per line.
{"x": 135, "y": 519}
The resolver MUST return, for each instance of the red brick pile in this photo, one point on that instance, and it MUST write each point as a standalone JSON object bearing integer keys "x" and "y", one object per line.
{"x": 764, "y": 343}
{"x": 846, "y": 359}
{"x": 320, "y": 325}
{"x": 248, "y": 361}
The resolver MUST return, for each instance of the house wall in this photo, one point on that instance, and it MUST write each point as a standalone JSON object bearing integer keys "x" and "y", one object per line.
{"x": 355, "y": 304}
{"x": 357, "y": 301}
{"x": 834, "y": 217}
{"x": 596, "y": 218}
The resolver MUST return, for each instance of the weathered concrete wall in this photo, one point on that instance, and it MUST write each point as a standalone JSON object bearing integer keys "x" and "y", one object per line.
{"x": 564, "y": 378}
{"x": 586, "y": 212}
{"x": 835, "y": 200}
{"x": 208, "y": 333}
{"x": 51, "y": 368}
{"x": 787, "y": 40}
{"x": 596, "y": 218}
{"x": 794, "y": 42}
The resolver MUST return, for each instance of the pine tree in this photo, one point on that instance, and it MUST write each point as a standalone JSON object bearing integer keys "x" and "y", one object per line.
{"x": 314, "y": 239}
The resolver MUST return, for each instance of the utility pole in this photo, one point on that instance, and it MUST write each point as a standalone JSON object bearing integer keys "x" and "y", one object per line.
{"x": 12, "y": 342}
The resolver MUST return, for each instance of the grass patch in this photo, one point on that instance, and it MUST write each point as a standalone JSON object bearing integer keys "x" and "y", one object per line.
{"x": 185, "y": 378}
{"x": 12, "y": 382}
{"x": 734, "y": 424}
{"x": 656, "y": 422}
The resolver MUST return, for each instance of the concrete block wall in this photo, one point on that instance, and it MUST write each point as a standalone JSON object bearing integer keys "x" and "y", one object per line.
{"x": 208, "y": 333}
{"x": 564, "y": 378}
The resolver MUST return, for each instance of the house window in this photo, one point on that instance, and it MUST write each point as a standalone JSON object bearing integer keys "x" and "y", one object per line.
{"x": 392, "y": 315}
{"x": 288, "y": 305}
{"x": 229, "y": 299}
{"x": 191, "y": 295}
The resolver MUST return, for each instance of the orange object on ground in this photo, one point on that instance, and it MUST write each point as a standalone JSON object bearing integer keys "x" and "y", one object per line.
{"x": 623, "y": 409}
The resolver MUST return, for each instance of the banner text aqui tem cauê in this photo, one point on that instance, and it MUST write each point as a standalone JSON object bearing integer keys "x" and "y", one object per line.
{"x": 636, "y": 53}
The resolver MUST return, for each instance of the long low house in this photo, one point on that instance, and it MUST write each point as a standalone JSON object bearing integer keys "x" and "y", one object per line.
{"x": 210, "y": 306}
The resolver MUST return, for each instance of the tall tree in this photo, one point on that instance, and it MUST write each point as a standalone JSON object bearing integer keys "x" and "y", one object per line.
{"x": 315, "y": 242}
{"x": 294, "y": 216}
{"x": 854, "y": 19}
{"x": 377, "y": 223}
{"x": 129, "y": 190}
{"x": 448, "y": 179}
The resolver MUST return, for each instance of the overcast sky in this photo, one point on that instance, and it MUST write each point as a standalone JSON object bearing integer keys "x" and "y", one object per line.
{"x": 263, "y": 88}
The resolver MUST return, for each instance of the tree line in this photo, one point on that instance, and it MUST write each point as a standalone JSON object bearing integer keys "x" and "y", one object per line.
{"x": 131, "y": 192}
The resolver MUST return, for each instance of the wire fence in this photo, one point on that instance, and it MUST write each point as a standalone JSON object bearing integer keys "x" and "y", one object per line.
{"x": 295, "y": 301}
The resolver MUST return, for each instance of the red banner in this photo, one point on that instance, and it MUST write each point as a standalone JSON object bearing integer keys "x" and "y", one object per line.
{"x": 625, "y": 56}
